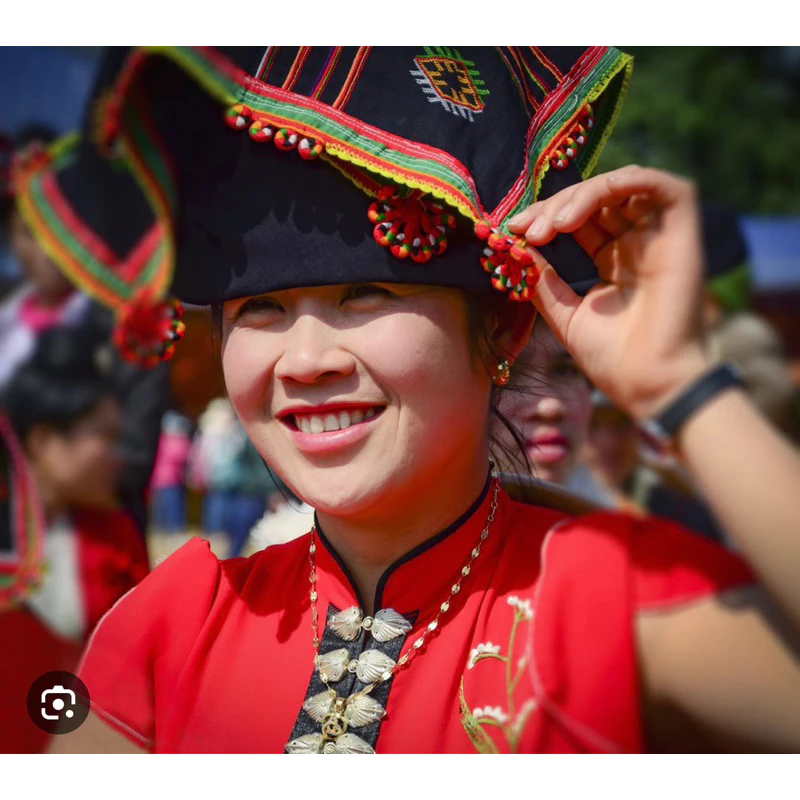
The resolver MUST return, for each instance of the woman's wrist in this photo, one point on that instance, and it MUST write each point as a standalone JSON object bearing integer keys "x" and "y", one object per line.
{"x": 674, "y": 381}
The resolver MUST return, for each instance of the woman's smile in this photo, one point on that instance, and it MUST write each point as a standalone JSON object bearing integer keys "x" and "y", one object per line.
{"x": 329, "y": 428}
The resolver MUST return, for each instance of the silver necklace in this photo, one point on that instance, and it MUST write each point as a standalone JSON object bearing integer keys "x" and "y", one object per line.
{"x": 337, "y": 715}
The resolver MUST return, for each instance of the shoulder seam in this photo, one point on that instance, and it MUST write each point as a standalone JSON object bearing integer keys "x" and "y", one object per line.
{"x": 121, "y": 725}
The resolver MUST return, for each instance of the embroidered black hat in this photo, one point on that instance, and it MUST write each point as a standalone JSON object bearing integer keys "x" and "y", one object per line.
{"x": 277, "y": 167}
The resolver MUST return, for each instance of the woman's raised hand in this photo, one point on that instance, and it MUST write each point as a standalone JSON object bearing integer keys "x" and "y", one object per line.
{"x": 638, "y": 335}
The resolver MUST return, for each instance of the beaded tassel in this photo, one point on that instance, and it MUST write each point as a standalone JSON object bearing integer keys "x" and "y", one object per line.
{"x": 508, "y": 262}
{"x": 240, "y": 116}
{"x": 147, "y": 331}
{"x": 410, "y": 226}
{"x": 571, "y": 144}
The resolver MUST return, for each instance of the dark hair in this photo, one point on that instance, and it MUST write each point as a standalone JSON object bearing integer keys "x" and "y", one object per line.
{"x": 483, "y": 311}
{"x": 64, "y": 380}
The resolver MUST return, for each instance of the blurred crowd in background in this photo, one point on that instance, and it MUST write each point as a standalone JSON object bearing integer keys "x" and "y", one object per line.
{"x": 128, "y": 463}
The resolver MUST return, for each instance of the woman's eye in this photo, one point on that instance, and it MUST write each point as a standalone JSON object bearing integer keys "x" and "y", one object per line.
{"x": 366, "y": 291}
{"x": 258, "y": 305}
{"x": 566, "y": 369}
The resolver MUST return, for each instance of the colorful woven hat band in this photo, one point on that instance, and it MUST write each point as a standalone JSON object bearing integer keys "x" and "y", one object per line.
{"x": 21, "y": 524}
{"x": 148, "y": 324}
{"x": 563, "y": 115}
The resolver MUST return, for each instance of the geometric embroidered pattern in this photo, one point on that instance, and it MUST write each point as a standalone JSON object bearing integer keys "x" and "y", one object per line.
{"x": 448, "y": 79}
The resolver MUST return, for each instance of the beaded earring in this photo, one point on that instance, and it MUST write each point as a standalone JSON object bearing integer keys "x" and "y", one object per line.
{"x": 503, "y": 373}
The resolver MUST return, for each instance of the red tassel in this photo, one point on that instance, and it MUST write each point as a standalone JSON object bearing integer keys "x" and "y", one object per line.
{"x": 147, "y": 331}
{"x": 411, "y": 226}
{"x": 508, "y": 262}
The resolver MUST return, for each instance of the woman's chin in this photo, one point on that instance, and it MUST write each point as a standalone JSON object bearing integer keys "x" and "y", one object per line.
{"x": 339, "y": 491}
{"x": 552, "y": 473}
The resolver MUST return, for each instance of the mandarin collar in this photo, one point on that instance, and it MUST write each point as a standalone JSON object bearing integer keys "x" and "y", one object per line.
{"x": 423, "y": 577}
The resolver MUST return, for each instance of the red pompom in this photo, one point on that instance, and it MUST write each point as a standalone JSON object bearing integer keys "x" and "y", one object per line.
{"x": 412, "y": 226}
{"x": 148, "y": 330}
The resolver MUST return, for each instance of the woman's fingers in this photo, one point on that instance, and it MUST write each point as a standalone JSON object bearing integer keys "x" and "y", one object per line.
{"x": 591, "y": 237}
{"x": 637, "y": 208}
{"x": 611, "y": 220}
{"x": 554, "y": 299}
{"x": 633, "y": 192}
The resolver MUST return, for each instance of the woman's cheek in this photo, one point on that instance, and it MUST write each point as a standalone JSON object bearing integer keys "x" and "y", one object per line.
{"x": 246, "y": 367}
{"x": 580, "y": 405}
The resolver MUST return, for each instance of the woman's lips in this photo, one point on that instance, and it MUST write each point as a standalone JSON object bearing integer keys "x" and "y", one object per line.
{"x": 548, "y": 449}
{"x": 325, "y": 429}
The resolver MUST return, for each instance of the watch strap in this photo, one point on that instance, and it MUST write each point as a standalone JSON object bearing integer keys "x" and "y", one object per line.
{"x": 707, "y": 386}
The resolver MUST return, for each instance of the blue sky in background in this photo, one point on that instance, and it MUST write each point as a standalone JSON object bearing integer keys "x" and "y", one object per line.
{"x": 51, "y": 84}
{"x": 774, "y": 244}
{"x": 44, "y": 84}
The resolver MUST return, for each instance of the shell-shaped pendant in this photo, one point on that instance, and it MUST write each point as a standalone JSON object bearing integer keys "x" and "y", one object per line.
{"x": 333, "y": 665}
{"x": 372, "y": 664}
{"x": 388, "y": 624}
{"x": 361, "y": 709}
{"x": 347, "y": 624}
{"x": 350, "y": 743}
{"x": 318, "y": 706}
{"x": 311, "y": 743}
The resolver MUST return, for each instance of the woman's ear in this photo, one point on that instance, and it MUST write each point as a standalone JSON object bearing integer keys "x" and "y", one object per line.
{"x": 512, "y": 326}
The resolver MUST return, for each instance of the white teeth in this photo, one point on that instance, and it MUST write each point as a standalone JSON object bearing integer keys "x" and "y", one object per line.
{"x": 314, "y": 423}
{"x": 331, "y": 422}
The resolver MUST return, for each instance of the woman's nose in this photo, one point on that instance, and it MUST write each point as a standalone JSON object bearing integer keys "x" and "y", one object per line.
{"x": 549, "y": 407}
{"x": 313, "y": 353}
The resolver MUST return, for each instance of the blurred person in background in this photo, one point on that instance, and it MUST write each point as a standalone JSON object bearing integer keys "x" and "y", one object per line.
{"x": 62, "y": 408}
{"x": 736, "y": 333}
{"x": 237, "y": 483}
{"x": 573, "y": 436}
{"x": 8, "y": 274}
{"x": 547, "y": 405}
{"x": 46, "y": 298}
{"x": 169, "y": 474}
{"x": 756, "y": 348}
{"x": 614, "y": 451}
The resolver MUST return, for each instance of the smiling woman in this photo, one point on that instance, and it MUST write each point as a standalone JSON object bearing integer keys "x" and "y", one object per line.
{"x": 364, "y": 340}
{"x": 295, "y": 359}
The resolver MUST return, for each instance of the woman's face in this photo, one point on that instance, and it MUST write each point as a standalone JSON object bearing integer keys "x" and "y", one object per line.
{"x": 361, "y": 396}
{"x": 612, "y": 447}
{"x": 81, "y": 467}
{"x": 50, "y": 283}
{"x": 549, "y": 402}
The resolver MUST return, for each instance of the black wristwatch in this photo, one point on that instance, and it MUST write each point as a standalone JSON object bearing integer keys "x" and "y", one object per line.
{"x": 707, "y": 386}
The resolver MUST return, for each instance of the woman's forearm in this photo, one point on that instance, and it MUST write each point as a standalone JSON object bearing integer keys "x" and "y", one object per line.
{"x": 750, "y": 475}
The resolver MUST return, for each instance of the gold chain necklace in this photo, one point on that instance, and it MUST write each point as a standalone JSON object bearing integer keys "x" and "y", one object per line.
{"x": 336, "y": 714}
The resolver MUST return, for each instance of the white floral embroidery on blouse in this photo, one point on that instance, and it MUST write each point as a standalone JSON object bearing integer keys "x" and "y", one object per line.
{"x": 510, "y": 723}
{"x": 524, "y": 606}
{"x": 492, "y": 712}
{"x": 481, "y": 649}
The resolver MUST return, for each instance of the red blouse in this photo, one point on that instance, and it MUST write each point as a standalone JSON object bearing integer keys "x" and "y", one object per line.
{"x": 537, "y": 652}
